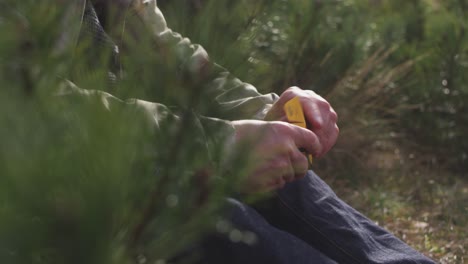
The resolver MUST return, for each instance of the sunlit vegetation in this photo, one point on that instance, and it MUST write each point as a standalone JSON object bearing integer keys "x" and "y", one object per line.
{"x": 396, "y": 71}
{"x": 397, "y": 74}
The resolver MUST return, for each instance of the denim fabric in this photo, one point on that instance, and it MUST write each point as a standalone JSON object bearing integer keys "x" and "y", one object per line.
{"x": 272, "y": 245}
{"x": 307, "y": 223}
{"x": 310, "y": 210}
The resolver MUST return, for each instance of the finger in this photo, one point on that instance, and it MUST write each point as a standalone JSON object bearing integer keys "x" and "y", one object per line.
{"x": 330, "y": 136}
{"x": 271, "y": 175}
{"x": 300, "y": 163}
{"x": 323, "y": 119}
{"x": 283, "y": 168}
{"x": 258, "y": 181}
{"x": 304, "y": 138}
{"x": 268, "y": 184}
{"x": 287, "y": 168}
{"x": 331, "y": 119}
{"x": 316, "y": 112}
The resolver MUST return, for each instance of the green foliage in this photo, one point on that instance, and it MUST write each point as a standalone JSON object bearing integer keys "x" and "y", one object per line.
{"x": 435, "y": 93}
{"x": 326, "y": 45}
{"x": 394, "y": 70}
{"x": 79, "y": 183}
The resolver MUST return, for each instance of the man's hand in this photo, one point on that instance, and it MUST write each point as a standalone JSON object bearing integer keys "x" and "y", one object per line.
{"x": 274, "y": 148}
{"x": 319, "y": 115}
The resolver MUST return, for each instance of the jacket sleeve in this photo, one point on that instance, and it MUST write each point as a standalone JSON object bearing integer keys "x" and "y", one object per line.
{"x": 238, "y": 100}
{"x": 211, "y": 134}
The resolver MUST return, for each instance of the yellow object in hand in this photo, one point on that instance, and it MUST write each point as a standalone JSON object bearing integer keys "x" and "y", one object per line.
{"x": 295, "y": 115}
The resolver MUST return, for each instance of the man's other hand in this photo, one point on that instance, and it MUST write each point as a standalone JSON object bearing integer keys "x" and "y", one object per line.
{"x": 320, "y": 116}
{"x": 274, "y": 152}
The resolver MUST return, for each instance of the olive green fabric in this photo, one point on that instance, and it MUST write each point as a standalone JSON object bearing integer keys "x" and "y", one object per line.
{"x": 236, "y": 99}
{"x": 239, "y": 100}
{"x": 211, "y": 133}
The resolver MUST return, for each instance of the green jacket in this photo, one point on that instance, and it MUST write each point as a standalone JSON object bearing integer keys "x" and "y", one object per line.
{"x": 237, "y": 99}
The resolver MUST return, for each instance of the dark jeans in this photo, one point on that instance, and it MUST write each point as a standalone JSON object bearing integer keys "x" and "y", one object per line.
{"x": 306, "y": 223}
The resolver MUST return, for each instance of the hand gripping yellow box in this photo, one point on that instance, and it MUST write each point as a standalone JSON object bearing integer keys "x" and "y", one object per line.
{"x": 295, "y": 115}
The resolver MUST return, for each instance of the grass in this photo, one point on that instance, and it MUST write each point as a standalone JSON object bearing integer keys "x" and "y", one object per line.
{"x": 424, "y": 207}
{"x": 379, "y": 170}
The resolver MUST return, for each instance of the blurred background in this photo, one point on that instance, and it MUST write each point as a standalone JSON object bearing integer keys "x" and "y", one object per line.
{"x": 395, "y": 71}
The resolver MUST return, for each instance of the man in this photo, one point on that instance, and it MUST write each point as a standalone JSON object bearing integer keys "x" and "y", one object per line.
{"x": 304, "y": 222}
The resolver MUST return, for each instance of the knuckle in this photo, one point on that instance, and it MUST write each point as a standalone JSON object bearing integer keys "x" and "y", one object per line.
{"x": 324, "y": 104}
{"x": 287, "y": 95}
{"x": 279, "y": 164}
{"x": 293, "y": 88}
{"x": 317, "y": 147}
{"x": 301, "y": 165}
{"x": 333, "y": 115}
{"x": 291, "y": 92}
{"x": 280, "y": 127}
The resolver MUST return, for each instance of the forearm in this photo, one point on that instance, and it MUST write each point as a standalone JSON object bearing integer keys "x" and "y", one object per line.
{"x": 237, "y": 99}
